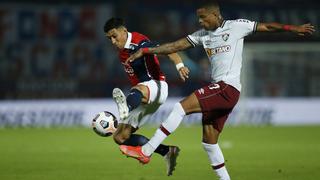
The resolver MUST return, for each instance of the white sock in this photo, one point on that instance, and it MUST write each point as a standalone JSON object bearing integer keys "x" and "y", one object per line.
{"x": 153, "y": 143}
{"x": 167, "y": 127}
{"x": 216, "y": 160}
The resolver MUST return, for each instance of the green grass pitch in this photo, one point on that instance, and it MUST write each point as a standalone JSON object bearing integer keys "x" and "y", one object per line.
{"x": 251, "y": 153}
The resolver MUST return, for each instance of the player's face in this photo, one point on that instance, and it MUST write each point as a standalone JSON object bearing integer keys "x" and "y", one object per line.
{"x": 209, "y": 20}
{"x": 118, "y": 37}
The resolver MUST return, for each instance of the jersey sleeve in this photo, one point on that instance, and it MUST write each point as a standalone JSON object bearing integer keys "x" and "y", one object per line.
{"x": 244, "y": 27}
{"x": 146, "y": 43}
{"x": 195, "y": 39}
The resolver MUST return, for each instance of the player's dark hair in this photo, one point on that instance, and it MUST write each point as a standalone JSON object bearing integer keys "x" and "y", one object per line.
{"x": 113, "y": 23}
{"x": 211, "y": 4}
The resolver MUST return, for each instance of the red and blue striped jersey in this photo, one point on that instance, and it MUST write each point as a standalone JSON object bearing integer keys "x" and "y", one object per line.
{"x": 145, "y": 68}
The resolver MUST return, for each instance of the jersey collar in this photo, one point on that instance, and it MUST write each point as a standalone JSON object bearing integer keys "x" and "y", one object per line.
{"x": 222, "y": 24}
{"x": 127, "y": 45}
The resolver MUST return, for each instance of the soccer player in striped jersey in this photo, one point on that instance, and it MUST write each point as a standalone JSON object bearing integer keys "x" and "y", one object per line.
{"x": 223, "y": 43}
{"x": 149, "y": 88}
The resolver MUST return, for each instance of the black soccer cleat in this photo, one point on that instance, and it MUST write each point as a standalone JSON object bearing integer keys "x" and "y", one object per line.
{"x": 171, "y": 159}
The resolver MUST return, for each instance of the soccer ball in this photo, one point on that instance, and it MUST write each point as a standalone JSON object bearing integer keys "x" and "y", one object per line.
{"x": 104, "y": 124}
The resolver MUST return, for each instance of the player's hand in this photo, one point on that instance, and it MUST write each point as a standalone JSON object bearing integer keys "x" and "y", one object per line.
{"x": 184, "y": 73}
{"x": 304, "y": 29}
{"x": 134, "y": 56}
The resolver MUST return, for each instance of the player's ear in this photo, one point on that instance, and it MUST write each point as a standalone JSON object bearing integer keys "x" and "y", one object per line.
{"x": 125, "y": 29}
{"x": 213, "y": 13}
{"x": 122, "y": 29}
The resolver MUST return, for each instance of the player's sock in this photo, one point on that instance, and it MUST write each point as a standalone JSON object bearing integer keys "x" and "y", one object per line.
{"x": 216, "y": 160}
{"x": 136, "y": 140}
{"x": 140, "y": 140}
{"x": 166, "y": 128}
{"x": 134, "y": 99}
{"x": 162, "y": 150}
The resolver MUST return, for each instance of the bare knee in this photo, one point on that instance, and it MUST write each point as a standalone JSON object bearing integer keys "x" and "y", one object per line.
{"x": 191, "y": 104}
{"x": 209, "y": 134}
{"x": 144, "y": 90}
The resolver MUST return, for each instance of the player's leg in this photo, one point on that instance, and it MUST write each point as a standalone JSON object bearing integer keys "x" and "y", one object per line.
{"x": 216, "y": 106}
{"x": 123, "y": 133}
{"x": 139, "y": 140}
{"x": 124, "y": 136}
{"x": 158, "y": 92}
{"x": 153, "y": 92}
{"x": 137, "y": 95}
{"x": 211, "y": 146}
{"x": 188, "y": 105}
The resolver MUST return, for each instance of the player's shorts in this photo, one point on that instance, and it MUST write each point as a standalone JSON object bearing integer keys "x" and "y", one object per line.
{"x": 217, "y": 101}
{"x": 158, "y": 93}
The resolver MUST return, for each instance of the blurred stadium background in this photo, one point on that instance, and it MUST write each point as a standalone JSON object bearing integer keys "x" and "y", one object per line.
{"x": 57, "y": 70}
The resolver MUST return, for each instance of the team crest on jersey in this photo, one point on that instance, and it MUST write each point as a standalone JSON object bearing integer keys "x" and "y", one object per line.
{"x": 225, "y": 37}
{"x": 132, "y": 47}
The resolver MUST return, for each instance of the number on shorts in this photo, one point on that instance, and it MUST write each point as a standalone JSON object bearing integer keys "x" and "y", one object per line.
{"x": 214, "y": 86}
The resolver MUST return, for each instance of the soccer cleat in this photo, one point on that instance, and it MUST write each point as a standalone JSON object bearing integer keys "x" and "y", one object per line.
{"x": 121, "y": 101}
{"x": 171, "y": 159}
{"x": 135, "y": 152}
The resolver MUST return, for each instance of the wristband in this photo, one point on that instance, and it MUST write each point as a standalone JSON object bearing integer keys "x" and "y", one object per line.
{"x": 287, "y": 27}
{"x": 179, "y": 65}
{"x": 145, "y": 50}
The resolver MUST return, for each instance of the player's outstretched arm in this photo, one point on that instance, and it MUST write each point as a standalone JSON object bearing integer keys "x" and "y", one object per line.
{"x": 167, "y": 48}
{"x": 276, "y": 27}
{"x": 183, "y": 70}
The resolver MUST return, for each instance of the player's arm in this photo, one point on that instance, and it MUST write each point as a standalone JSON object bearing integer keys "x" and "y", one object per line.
{"x": 183, "y": 70}
{"x": 167, "y": 48}
{"x": 277, "y": 27}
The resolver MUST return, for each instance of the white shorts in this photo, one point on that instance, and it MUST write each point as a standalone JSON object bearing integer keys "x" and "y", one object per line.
{"x": 158, "y": 93}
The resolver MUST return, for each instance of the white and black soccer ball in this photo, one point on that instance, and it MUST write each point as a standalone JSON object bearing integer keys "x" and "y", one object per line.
{"x": 104, "y": 124}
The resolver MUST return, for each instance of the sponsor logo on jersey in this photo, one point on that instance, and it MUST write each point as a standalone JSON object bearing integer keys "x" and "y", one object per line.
{"x": 128, "y": 69}
{"x": 243, "y": 20}
{"x": 218, "y": 50}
